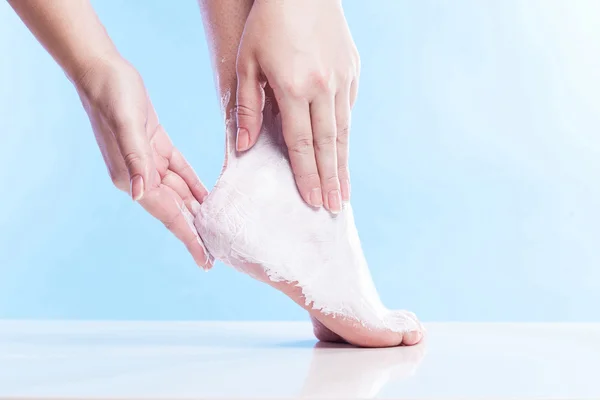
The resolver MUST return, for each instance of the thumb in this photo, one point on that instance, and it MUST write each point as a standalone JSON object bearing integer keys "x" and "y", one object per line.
{"x": 250, "y": 100}
{"x": 137, "y": 155}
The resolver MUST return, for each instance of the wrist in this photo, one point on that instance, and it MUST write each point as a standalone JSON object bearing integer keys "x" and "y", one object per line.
{"x": 83, "y": 69}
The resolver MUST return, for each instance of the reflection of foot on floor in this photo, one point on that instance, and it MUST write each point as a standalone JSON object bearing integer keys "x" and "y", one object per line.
{"x": 255, "y": 220}
{"x": 339, "y": 371}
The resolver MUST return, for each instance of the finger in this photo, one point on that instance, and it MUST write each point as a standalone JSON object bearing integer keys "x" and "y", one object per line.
{"x": 166, "y": 206}
{"x": 250, "y": 101}
{"x": 353, "y": 92}
{"x": 134, "y": 146}
{"x": 179, "y": 165}
{"x": 179, "y": 186}
{"x": 297, "y": 133}
{"x": 322, "y": 112}
{"x": 342, "y": 121}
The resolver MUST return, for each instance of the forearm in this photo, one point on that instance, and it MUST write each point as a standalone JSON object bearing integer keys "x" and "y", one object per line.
{"x": 69, "y": 30}
{"x": 224, "y": 22}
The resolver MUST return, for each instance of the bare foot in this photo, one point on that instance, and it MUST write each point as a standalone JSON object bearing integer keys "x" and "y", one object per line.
{"x": 323, "y": 333}
{"x": 255, "y": 220}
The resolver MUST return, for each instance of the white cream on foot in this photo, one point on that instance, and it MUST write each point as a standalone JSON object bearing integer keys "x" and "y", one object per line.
{"x": 255, "y": 220}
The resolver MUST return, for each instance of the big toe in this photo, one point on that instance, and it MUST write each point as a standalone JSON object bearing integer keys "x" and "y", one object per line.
{"x": 408, "y": 324}
{"x": 412, "y": 338}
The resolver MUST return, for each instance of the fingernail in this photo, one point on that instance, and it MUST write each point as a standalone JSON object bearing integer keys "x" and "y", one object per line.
{"x": 243, "y": 139}
{"x": 210, "y": 262}
{"x": 316, "y": 197}
{"x": 207, "y": 256}
{"x": 137, "y": 187}
{"x": 195, "y": 207}
{"x": 345, "y": 186}
{"x": 335, "y": 201}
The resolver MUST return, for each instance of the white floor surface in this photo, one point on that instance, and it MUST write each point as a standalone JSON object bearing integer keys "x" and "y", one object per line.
{"x": 172, "y": 360}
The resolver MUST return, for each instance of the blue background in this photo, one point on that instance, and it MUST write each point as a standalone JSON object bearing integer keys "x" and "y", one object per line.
{"x": 475, "y": 161}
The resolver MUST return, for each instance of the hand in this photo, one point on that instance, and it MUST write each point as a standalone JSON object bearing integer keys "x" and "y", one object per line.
{"x": 305, "y": 51}
{"x": 139, "y": 155}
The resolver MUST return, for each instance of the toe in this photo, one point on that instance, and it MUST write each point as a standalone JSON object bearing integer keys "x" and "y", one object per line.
{"x": 412, "y": 338}
{"x": 407, "y": 323}
{"x": 402, "y": 321}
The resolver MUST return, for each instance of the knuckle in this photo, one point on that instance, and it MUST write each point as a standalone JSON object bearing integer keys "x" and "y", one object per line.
{"x": 321, "y": 79}
{"x": 244, "y": 111}
{"x": 332, "y": 182}
{"x": 343, "y": 132}
{"x": 346, "y": 75}
{"x": 133, "y": 161}
{"x": 310, "y": 179}
{"x": 169, "y": 223}
{"x": 293, "y": 89}
{"x": 325, "y": 142}
{"x": 301, "y": 146}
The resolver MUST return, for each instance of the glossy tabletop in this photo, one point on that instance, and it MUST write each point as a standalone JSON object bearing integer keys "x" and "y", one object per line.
{"x": 173, "y": 360}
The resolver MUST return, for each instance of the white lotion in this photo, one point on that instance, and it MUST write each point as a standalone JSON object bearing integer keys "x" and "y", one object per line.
{"x": 255, "y": 220}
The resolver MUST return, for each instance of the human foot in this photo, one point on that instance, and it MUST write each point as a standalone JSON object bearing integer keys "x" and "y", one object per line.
{"x": 255, "y": 220}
